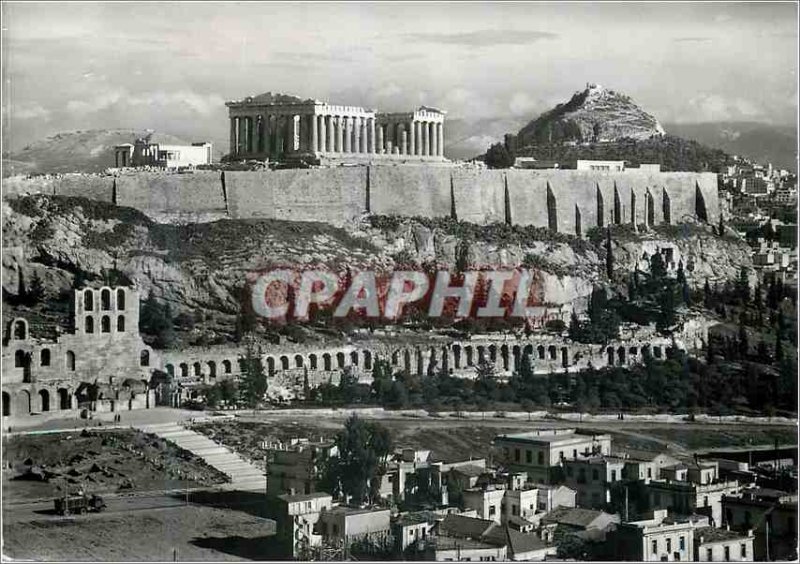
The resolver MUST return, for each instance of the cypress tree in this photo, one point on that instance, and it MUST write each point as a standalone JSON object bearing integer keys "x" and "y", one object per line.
{"x": 609, "y": 255}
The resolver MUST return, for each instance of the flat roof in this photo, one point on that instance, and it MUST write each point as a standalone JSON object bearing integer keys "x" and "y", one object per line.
{"x": 289, "y": 498}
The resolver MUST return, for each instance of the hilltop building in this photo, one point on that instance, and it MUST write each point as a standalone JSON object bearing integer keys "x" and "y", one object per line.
{"x": 278, "y": 127}
{"x": 148, "y": 151}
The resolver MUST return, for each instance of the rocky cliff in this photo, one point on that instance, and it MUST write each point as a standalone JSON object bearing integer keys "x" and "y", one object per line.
{"x": 594, "y": 115}
{"x": 204, "y": 266}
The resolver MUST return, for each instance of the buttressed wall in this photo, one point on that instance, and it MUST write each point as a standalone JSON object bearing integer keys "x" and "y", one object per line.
{"x": 569, "y": 201}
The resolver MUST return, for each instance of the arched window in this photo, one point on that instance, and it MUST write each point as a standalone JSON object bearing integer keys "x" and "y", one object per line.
{"x": 88, "y": 300}
{"x": 354, "y": 358}
{"x": 270, "y": 365}
{"x": 70, "y": 360}
{"x": 184, "y": 370}
{"x": 367, "y": 360}
{"x": 90, "y": 324}
{"x": 45, "y": 357}
{"x": 226, "y": 366}
{"x": 144, "y": 358}
{"x": 6, "y": 404}
{"x": 120, "y": 298}
{"x": 197, "y": 369}
{"x": 340, "y": 360}
{"x": 284, "y": 363}
{"x": 298, "y": 361}
{"x": 105, "y": 299}
{"x": 120, "y": 324}
{"x": 20, "y": 330}
{"x": 170, "y": 369}
{"x": 212, "y": 368}
{"x": 326, "y": 361}
{"x": 19, "y": 359}
{"x": 105, "y": 324}
{"x": 312, "y": 361}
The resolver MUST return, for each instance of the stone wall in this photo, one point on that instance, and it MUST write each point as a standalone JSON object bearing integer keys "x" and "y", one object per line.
{"x": 569, "y": 201}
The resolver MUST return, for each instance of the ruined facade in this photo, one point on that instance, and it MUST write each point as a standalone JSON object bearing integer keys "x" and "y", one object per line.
{"x": 263, "y": 128}
{"x": 149, "y": 152}
{"x": 102, "y": 364}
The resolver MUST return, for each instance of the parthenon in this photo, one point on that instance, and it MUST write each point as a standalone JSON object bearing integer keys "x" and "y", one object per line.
{"x": 274, "y": 127}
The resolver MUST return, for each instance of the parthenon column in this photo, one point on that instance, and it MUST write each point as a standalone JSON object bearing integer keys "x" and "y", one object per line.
{"x": 362, "y": 135}
{"x": 232, "y": 145}
{"x": 371, "y": 133}
{"x": 339, "y": 134}
{"x": 403, "y": 140}
{"x": 440, "y": 132}
{"x": 331, "y": 133}
{"x": 417, "y": 139}
{"x": 436, "y": 147}
{"x": 379, "y": 148}
{"x": 314, "y": 133}
{"x": 424, "y": 139}
{"x": 411, "y": 142}
{"x": 348, "y": 133}
{"x": 431, "y": 143}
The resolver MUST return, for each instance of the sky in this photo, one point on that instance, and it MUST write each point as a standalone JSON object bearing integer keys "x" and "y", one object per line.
{"x": 171, "y": 66}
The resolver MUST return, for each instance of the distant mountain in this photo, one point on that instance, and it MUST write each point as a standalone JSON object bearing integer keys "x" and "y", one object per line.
{"x": 763, "y": 143}
{"x": 467, "y": 139}
{"x": 593, "y": 115}
{"x": 78, "y": 151}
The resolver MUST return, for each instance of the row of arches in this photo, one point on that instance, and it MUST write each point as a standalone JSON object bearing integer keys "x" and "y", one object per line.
{"x": 105, "y": 324}
{"x": 105, "y": 299}
{"x": 199, "y": 369}
{"x": 24, "y": 402}
{"x": 24, "y": 359}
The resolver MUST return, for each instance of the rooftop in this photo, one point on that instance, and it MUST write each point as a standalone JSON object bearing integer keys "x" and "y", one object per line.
{"x": 289, "y": 498}
{"x": 551, "y": 436}
{"x": 574, "y": 516}
{"x": 462, "y": 526}
{"x": 713, "y": 534}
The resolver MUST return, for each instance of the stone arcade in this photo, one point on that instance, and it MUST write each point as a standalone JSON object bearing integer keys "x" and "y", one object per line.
{"x": 262, "y": 128}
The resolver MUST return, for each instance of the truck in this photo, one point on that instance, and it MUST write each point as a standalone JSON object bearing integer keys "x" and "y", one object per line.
{"x": 79, "y": 503}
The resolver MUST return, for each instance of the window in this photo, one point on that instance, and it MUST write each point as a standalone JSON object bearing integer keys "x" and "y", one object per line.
{"x": 120, "y": 298}
{"x": 655, "y": 547}
{"x": 105, "y": 324}
{"x": 744, "y": 550}
{"x": 669, "y": 545}
{"x": 613, "y": 475}
{"x": 516, "y": 455}
{"x": 120, "y": 323}
{"x": 561, "y": 455}
{"x": 492, "y": 511}
{"x": 88, "y": 300}
{"x": 226, "y": 365}
{"x": 528, "y": 456}
{"x": 105, "y": 299}
{"x": 70, "y": 360}
{"x": 45, "y": 357}
{"x": 89, "y": 325}
{"x": 709, "y": 555}
{"x": 682, "y": 543}
{"x": 705, "y": 501}
{"x": 574, "y": 453}
{"x": 540, "y": 458}
{"x": 19, "y": 359}
{"x": 649, "y": 472}
{"x": 144, "y": 358}
{"x": 727, "y": 554}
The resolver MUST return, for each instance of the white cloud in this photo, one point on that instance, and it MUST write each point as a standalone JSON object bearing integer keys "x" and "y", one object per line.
{"x": 522, "y": 104}
{"x": 714, "y": 107}
{"x": 27, "y": 111}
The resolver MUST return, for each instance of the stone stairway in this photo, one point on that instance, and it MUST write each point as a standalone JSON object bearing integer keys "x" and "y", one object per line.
{"x": 244, "y": 475}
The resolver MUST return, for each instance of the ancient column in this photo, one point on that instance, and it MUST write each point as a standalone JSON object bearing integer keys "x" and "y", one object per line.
{"x": 331, "y": 133}
{"x": 437, "y": 136}
{"x": 424, "y": 139}
{"x": 417, "y": 139}
{"x": 441, "y": 139}
{"x": 314, "y": 133}
{"x": 412, "y": 145}
{"x": 403, "y": 140}
{"x": 232, "y": 144}
{"x": 379, "y": 148}
{"x": 339, "y": 134}
{"x": 371, "y": 133}
{"x": 348, "y": 133}
{"x": 362, "y": 135}
{"x": 431, "y": 142}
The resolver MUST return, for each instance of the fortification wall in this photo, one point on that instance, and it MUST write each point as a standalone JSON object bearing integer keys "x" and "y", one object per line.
{"x": 569, "y": 201}
{"x": 410, "y": 191}
{"x": 199, "y": 192}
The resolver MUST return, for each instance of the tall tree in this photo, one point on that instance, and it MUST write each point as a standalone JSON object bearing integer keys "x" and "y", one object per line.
{"x": 363, "y": 448}
{"x": 609, "y": 255}
{"x": 254, "y": 379}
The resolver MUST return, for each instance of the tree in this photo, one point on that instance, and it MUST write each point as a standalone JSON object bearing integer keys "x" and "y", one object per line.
{"x": 743, "y": 346}
{"x": 156, "y": 320}
{"x": 462, "y": 256}
{"x": 34, "y": 293}
{"x": 574, "y": 327}
{"x": 527, "y": 406}
{"x": 609, "y": 255}
{"x": 497, "y": 156}
{"x": 681, "y": 275}
{"x": 363, "y": 448}
{"x": 254, "y": 379}
{"x": 742, "y": 287}
{"x": 658, "y": 270}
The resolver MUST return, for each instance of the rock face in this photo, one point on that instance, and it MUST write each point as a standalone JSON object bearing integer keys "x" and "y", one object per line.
{"x": 594, "y": 115}
{"x": 204, "y": 266}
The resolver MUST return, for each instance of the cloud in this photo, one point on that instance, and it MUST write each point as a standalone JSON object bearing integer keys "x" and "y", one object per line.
{"x": 693, "y": 40}
{"x": 714, "y": 107}
{"x": 521, "y": 104}
{"x": 27, "y": 111}
{"x": 485, "y": 37}
{"x": 119, "y": 99}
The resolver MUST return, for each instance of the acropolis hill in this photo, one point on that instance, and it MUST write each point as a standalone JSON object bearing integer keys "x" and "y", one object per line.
{"x": 396, "y": 168}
